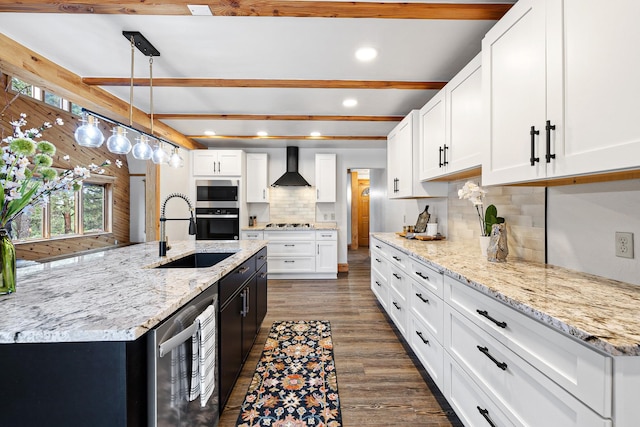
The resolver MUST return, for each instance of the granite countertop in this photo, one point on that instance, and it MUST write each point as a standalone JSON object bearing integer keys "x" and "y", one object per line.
{"x": 601, "y": 312}
{"x": 114, "y": 295}
{"x": 316, "y": 226}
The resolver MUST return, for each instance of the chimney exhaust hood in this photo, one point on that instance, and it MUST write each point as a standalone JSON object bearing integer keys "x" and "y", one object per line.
{"x": 291, "y": 177}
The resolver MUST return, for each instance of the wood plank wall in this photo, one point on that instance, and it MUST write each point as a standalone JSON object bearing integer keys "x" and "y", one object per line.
{"x": 62, "y": 137}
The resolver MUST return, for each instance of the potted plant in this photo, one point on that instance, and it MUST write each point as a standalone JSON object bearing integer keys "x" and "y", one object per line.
{"x": 475, "y": 194}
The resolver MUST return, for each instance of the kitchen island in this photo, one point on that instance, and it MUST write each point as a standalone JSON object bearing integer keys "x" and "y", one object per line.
{"x": 74, "y": 335}
{"x": 568, "y": 341}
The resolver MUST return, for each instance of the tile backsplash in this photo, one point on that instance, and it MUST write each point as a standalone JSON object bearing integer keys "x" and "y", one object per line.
{"x": 522, "y": 207}
{"x": 292, "y": 204}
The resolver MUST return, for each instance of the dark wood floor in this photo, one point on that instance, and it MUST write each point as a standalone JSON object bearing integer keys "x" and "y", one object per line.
{"x": 379, "y": 383}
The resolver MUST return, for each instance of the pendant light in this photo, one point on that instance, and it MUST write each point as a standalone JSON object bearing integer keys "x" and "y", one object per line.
{"x": 142, "y": 150}
{"x": 159, "y": 156}
{"x": 118, "y": 143}
{"x": 88, "y": 134}
{"x": 176, "y": 161}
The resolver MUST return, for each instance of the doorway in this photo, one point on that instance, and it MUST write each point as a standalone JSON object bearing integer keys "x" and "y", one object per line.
{"x": 360, "y": 211}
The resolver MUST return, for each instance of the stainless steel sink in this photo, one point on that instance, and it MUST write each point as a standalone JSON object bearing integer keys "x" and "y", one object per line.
{"x": 198, "y": 260}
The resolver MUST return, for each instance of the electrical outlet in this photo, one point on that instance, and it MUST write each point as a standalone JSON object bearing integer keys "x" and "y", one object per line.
{"x": 333, "y": 216}
{"x": 624, "y": 245}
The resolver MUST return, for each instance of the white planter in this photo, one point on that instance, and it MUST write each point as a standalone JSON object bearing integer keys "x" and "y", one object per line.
{"x": 484, "y": 244}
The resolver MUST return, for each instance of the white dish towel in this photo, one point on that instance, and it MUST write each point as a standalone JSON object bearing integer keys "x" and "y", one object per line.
{"x": 204, "y": 356}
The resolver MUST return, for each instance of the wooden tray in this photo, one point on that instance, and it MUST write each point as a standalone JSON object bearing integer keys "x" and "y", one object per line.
{"x": 426, "y": 238}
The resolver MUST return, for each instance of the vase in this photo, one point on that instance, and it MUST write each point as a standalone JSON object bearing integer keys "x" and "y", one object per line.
{"x": 7, "y": 263}
{"x": 484, "y": 244}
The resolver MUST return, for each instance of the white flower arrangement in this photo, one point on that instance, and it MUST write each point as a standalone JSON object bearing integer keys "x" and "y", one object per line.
{"x": 474, "y": 193}
{"x": 27, "y": 177}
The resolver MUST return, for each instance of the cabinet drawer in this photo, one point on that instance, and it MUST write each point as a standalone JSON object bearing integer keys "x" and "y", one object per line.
{"x": 252, "y": 235}
{"x": 399, "y": 281}
{"x": 292, "y": 264}
{"x": 290, "y": 235}
{"x": 428, "y": 308}
{"x": 471, "y": 404}
{"x": 397, "y": 310}
{"x": 427, "y": 276}
{"x": 428, "y": 349}
{"x": 583, "y": 372}
{"x": 293, "y": 248}
{"x": 378, "y": 246}
{"x": 519, "y": 389}
{"x": 233, "y": 281}
{"x": 327, "y": 235}
{"x": 380, "y": 288}
{"x": 261, "y": 258}
{"x": 399, "y": 259}
{"x": 379, "y": 263}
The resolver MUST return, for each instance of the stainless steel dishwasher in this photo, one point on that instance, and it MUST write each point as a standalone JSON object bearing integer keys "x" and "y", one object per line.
{"x": 170, "y": 358}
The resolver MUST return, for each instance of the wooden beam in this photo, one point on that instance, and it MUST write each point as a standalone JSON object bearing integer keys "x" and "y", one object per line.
{"x": 16, "y": 60}
{"x": 169, "y": 116}
{"x": 300, "y": 137}
{"x": 264, "y": 83}
{"x": 273, "y": 8}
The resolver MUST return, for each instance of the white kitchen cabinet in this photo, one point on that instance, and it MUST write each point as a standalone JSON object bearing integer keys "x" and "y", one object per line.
{"x": 403, "y": 162}
{"x": 451, "y": 125}
{"x": 257, "y": 178}
{"x": 217, "y": 162}
{"x": 325, "y": 178}
{"x": 252, "y": 235}
{"x": 552, "y": 110}
{"x": 327, "y": 252}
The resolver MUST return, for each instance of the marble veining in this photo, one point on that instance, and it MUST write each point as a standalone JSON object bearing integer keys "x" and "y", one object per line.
{"x": 316, "y": 226}
{"x": 114, "y": 295}
{"x": 602, "y": 313}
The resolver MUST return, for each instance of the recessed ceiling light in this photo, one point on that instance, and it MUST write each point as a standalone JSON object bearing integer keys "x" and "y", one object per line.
{"x": 350, "y": 102}
{"x": 366, "y": 54}
{"x": 262, "y": 133}
{"x": 209, "y": 132}
{"x": 315, "y": 134}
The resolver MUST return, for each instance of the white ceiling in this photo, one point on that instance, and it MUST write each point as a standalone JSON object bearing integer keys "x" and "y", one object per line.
{"x": 260, "y": 48}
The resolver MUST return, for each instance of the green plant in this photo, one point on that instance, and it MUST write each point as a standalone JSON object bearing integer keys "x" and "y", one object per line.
{"x": 491, "y": 217}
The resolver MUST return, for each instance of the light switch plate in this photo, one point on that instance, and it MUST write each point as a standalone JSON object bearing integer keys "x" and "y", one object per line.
{"x": 624, "y": 244}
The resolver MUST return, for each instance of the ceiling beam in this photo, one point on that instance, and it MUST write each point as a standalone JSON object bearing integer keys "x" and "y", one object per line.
{"x": 25, "y": 64}
{"x": 168, "y": 116}
{"x": 284, "y": 8}
{"x": 300, "y": 137}
{"x": 264, "y": 83}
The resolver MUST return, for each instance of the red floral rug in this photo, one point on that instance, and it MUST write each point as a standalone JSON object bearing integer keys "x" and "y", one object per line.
{"x": 295, "y": 382}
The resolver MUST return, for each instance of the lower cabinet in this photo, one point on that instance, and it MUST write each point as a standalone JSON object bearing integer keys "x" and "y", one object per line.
{"x": 494, "y": 365}
{"x": 242, "y": 310}
{"x": 304, "y": 254}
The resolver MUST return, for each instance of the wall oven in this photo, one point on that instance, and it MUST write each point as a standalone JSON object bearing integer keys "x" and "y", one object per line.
{"x": 217, "y": 223}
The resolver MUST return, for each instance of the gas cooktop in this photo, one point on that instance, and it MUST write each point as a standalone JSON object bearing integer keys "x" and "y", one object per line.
{"x": 295, "y": 225}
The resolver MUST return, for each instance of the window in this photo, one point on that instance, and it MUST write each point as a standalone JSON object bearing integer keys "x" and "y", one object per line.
{"x": 21, "y": 87}
{"x": 67, "y": 214}
{"x": 53, "y": 100}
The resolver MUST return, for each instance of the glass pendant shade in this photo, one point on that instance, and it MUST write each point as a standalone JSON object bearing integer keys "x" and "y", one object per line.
{"x": 159, "y": 156}
{"x": 88, "y": 134}
{"x": 118, "y": 143}
{"x": 176, "y": 161}
{"x": 142, "y": 150}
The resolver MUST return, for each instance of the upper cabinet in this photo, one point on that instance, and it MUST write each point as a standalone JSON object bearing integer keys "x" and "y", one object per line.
{"x": 403, "y": 162}
{"x": 451, "y": 131}
{"x": 257, "y": 178}
{"x": 325, "y": 178}
{"x": 560, "y": 90}
{"x": 217, "y": 162}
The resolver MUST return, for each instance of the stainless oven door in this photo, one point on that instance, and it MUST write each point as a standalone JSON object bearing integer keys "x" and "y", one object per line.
{"x": 170, "y": 358}
{"x": 217, "y": 227}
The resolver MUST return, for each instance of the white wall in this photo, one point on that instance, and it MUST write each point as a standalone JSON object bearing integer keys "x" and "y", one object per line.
{"x": 136, "y": 200}
{"x": 178, "y": 180}
{"x": 581, "y": 225}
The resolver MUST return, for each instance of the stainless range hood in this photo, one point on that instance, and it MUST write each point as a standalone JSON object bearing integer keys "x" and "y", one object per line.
{"x": 291, "y": 177}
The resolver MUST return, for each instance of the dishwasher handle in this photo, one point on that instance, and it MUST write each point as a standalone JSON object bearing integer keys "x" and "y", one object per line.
{"x": 176, "y": 340}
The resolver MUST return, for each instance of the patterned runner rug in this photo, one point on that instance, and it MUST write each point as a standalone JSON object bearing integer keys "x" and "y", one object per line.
{"x": 294, "y": 384}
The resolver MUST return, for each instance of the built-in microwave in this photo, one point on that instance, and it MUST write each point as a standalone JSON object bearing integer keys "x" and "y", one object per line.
{"x": 216, "y": 190}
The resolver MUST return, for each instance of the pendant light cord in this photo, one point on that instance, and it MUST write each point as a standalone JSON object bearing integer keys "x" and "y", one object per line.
{"x": 131, "y": 86}
{"x": 151, "y": 90}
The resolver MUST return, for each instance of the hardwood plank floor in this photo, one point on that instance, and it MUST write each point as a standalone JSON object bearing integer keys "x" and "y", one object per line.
{"x": 380, "y": 385}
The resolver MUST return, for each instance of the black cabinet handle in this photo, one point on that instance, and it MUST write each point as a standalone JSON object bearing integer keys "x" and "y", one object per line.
{"x": 422, "y": 298}
{"x": 396, "y": 258}
{"x": 421, "y": 337}
{"x": 396, "y": 305}
{"x": 378, "y": 260}
{"x": 533, "y": 132}
{"x": 485, "y": 414}
{"x": 243, "y": 270}
{"x": 396, "y": 276}
{"x": 485, "y": 351}
{"x": 261, "y": 257}
{"x": 418, "y": 273}
{"x": 263, "y": 275}
{"x": 288, "y": 261}
{"x": 288, "y": 245}
{"x": 379, "y": 247}
{"x": 378, "y": 283}
{"x": 484, "y": 313}
{"x": 445, "y": 155}
{"x": 549, "y": 127}
{"x": 440, "y": 151}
